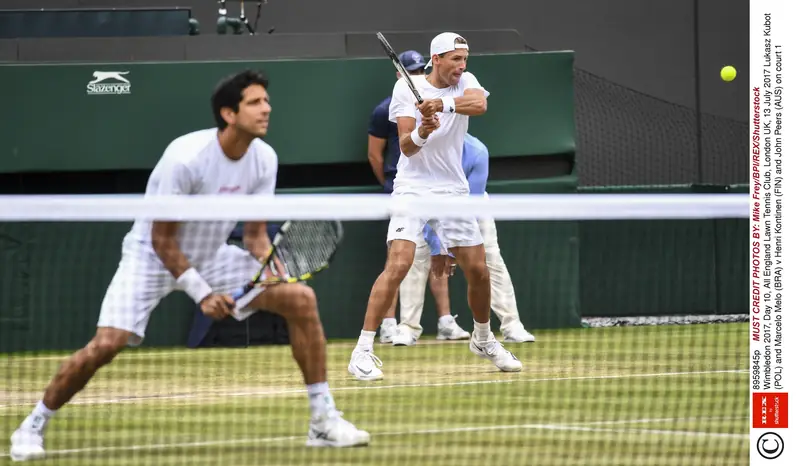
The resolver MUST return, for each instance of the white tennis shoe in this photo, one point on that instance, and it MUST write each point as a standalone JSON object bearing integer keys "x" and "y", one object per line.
{"x": 364, "y": 365}
{"x": 404, "y": 337}
{"x": 450, "y": 330}
{"x": 516, "y": 333}
{"x": 494, "y": 351}
{"x": 27, "y": 444}
{"x": 334, "y": 431}
{"x": 388, "y": 332}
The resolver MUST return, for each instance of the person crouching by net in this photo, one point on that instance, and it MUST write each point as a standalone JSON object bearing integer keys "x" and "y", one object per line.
{"x": 383, "y": 140}
{"x": 431, "y": 166}
{"x": 475, "y": 162}
{"x": 162, "y": 256}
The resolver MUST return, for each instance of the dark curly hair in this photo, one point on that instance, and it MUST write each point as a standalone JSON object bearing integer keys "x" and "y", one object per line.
{"x": 228, "y": 92}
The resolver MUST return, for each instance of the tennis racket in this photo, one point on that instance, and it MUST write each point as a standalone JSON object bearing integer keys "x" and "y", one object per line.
{"x": 393, "y": 56}
{"x": 304, "y": 248}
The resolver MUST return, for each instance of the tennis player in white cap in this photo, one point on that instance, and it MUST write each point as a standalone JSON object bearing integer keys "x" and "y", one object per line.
{"x": 431, "y": 142}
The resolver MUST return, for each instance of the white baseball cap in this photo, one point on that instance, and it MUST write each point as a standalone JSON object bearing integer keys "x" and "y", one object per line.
{"x": 443, "y": 43}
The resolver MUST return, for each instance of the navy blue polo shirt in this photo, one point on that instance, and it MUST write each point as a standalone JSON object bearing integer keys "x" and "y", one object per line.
{"x": 381, "y": 127}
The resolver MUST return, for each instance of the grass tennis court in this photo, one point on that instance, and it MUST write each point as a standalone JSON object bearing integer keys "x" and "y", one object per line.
{"x": 612, "y": 396}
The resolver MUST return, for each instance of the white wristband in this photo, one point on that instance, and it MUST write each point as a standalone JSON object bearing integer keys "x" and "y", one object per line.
{"x": 193, "y": 284}
{"x": 417, "y": 139}
{"x": 448, "y": 105}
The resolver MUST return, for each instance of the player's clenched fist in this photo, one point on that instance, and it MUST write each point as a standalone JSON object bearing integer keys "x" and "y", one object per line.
{"x": 429, "y": 108}
{"x": 217, "y": 306}
{"x": 429, "y": 125}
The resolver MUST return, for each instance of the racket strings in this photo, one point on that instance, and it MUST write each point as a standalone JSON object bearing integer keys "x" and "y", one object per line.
{"x": 307, "y": 246}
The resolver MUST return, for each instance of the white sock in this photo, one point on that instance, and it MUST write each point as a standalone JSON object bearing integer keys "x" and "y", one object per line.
{"x": 388, "y": 322}
{"x": 320, "y": 399}
{"x": 482, "y": 331}
{"x": 39, "y": 417}
{"x": 365, "y": 340}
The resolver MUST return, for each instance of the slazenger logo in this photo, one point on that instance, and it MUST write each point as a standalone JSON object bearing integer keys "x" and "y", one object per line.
{"x": 100, "y": 86}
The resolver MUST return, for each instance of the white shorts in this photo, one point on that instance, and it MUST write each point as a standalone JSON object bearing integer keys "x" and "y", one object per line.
{"x": 488, "y": 232}
{"x": 452, "y": 232}
{"x": 142, "y": 281}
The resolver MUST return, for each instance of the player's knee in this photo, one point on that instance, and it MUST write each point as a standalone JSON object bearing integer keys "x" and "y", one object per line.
{"x": 304, "y": 301}
{"x": 397, "y": 268}
{"x": 103, "y": 349}
{"x": 477, "y": 273}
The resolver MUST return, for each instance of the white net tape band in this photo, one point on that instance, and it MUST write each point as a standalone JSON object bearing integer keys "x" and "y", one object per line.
{"x": 372, "y": 207}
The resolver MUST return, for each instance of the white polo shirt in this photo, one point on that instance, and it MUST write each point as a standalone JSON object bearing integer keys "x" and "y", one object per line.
{"x": 437, "y": 166}
{"x": 195, "y": 164}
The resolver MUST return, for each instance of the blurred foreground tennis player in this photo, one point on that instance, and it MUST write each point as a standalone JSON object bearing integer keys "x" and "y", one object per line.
{"x": 431, "y": 140}
{"x": 159, "y": 257}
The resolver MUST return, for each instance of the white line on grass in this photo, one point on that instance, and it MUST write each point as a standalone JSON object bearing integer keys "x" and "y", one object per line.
{"x": 164, "y": 446}
{"x": 194, "y": 352}
{"x": 663, "y": 419}
{"x": 156, "y": 353}
{"x": 301, "y": 391}
{"x": 553, "y": 427}
{"x": 576, "y": 429}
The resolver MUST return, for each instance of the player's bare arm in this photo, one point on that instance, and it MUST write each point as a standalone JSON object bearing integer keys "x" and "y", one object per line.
{"x": 472, "y": 103}
{"x": 256, "y": 240}
{"x": 375, "y": 148}
{"x": 165, "y": 244}
{"x": 407, "y": 125}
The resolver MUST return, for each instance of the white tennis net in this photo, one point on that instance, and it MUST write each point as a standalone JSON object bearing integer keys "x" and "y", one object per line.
{"x": 373, "y": 207}
{"x": 230, "y": 391}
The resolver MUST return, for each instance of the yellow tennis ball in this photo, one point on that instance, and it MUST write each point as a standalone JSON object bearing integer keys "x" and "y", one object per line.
{"x": 728, "y": 73}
